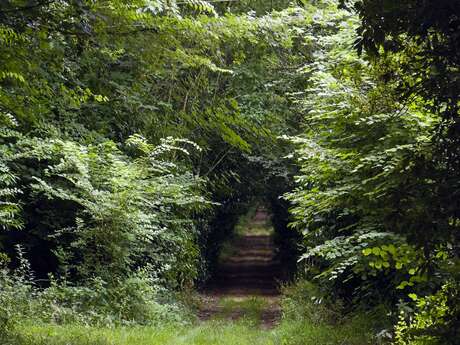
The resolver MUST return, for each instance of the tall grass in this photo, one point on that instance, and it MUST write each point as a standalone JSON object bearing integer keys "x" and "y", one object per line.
{"x": 222, "y": 332}
{"x": 306, "y": 321}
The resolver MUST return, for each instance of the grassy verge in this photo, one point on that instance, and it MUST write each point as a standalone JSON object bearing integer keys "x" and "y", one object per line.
{"x": 221, "y": 332}
{"x": 304, "y": 323}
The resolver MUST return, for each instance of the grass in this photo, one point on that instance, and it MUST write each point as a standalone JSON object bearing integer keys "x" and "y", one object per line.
{"x": 222, "y": 332}
{"x": 251, "y": 308}
{"x": 304, "y": 323}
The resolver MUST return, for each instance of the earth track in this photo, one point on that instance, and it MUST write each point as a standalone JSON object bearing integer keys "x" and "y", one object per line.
{"x": 250, "y": 272}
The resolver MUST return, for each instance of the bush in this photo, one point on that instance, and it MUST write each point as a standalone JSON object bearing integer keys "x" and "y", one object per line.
{"x": 435, "y": 321}
{"x": 16, "y": 292}
{"x": 117, "y": 220}
{"x": 305, "y": 302}
{"x": 102, "y": 212}
{"x": 311, "y": 312}
{"x": 134, "y": 300}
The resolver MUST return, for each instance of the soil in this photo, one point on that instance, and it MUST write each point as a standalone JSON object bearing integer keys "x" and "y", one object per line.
{"x": 251, "y": 271}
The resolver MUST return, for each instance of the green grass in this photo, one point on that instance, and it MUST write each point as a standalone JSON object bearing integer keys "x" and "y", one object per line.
{"x": 220, "y": 332}
{"x": 250, "y": 308}
{"x": 300, "y": 326}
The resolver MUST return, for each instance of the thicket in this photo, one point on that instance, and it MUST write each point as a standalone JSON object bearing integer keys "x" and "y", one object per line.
{"x": 376, "y": 197}
{"x": 133, "y": 135}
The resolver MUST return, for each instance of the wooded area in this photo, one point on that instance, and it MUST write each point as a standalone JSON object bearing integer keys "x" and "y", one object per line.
{"x": 139, "y": 137}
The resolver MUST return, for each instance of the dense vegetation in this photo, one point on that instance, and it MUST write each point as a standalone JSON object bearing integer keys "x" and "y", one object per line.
{"x": 376, "y": 198}
{"x": 134, "y": 134}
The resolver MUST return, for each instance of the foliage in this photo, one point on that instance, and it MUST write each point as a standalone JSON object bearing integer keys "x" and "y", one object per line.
{"x": 117, "y": 212}
{"x": 134, "y": 134}
{"x": 217, "y": 331}
{"x": 421, "y": 36}
{"x": 376, "y": 194}
{"x": 436, "y": 320}
{"x": 347, "y": 155}
{"x": 9, "y": 207}
{"x": 123, "y": 233}
{"x": 304, "y": 301}
{"x": 133, "y": 301}
{"x": 16, "y": 290}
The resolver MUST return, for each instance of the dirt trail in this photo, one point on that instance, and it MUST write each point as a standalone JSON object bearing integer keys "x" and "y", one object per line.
{"x": 249, "y": 275}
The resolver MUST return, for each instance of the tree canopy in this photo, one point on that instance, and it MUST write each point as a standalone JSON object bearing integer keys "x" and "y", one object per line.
{"x": 134, "y": 135}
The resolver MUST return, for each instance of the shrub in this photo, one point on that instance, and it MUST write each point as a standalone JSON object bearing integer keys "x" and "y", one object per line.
{"x": 133, "y": 300}
{"x": 305, "y": 302}
{"x": 16, "y": 292}
{"x": 118, "y": 220}
{"x": 435, "y": 320}
{"x": 101, "y": 212}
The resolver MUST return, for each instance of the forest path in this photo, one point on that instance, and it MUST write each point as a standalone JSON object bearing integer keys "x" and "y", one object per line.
{"x": 246, "y": 283}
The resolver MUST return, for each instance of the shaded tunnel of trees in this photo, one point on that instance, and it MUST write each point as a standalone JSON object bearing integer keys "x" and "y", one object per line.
{"x": 135, "y": 135}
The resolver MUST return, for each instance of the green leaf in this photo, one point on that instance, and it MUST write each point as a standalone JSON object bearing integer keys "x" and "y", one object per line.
{"x": 402, "y": 285}
{"x": 413, "y": 296}
{"x": 367, "y": 251}
{"x": 376, "y": 251}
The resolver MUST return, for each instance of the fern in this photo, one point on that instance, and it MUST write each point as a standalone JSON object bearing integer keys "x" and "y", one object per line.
{"x": 10, "y": 208}
{"x": 12, "y": 75}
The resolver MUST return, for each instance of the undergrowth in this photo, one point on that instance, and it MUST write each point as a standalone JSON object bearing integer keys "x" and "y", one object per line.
{"x": 306, "y": 321}
{"x": 290, "y": 332}
{"x": 214, "y": 332}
